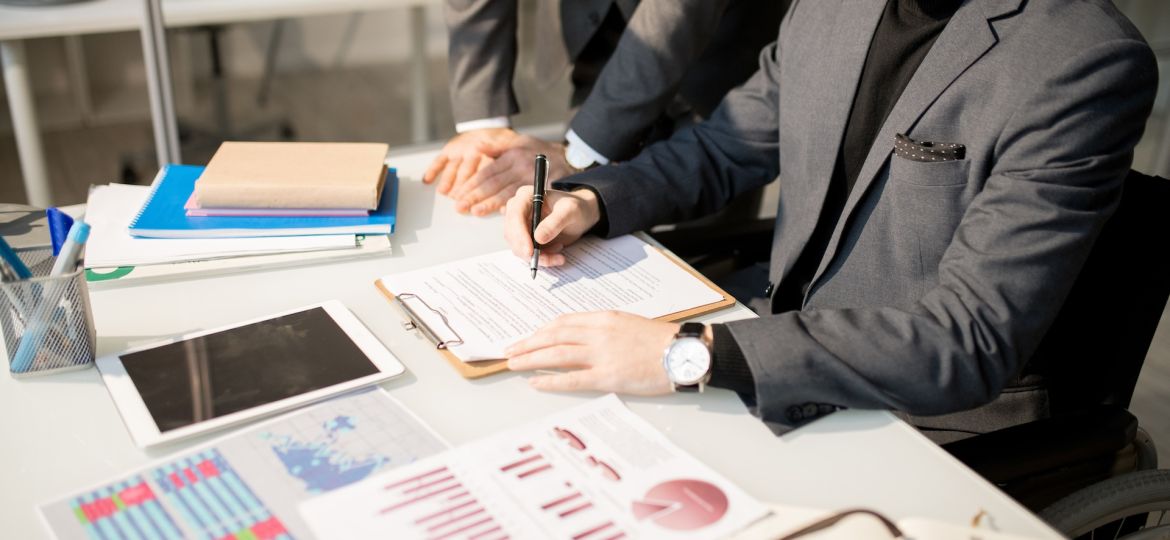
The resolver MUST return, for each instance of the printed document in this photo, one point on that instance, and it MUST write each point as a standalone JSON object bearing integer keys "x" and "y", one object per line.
{"x": 593, "y": 472}
{"x": 248, "y": 484}
{"x": 491, "y": 301}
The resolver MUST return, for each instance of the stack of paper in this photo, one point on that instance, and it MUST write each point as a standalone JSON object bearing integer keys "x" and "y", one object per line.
{"x": 110, "y": 209}
{"x": 114, "y": 256}
{"x": 164, "y": 214}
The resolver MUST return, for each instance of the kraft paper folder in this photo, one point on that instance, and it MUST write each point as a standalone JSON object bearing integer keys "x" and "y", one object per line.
{"x": 475, "y": 370}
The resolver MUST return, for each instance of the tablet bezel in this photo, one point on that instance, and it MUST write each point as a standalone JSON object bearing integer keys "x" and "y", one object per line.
{"x": 143, "y": 429}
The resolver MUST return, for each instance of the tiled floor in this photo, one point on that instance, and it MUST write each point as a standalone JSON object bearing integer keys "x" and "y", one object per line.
{"x": 373, "y": 104}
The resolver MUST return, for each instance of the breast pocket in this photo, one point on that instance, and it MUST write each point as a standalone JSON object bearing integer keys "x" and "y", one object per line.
{"x": 929, "y": 200}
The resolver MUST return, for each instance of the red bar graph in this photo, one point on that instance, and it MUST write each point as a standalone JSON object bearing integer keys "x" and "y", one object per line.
{"x": 437, "y": 505}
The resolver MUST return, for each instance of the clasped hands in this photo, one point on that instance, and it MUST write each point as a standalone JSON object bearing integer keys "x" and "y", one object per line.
{"x": 602, "y": 351}
{"x": 481, "y": 169}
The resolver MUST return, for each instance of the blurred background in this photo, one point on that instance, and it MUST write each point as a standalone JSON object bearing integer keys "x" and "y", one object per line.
{"x": 337, "y": 70}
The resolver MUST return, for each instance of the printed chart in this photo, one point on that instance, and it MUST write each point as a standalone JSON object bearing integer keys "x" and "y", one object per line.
{"x": 594, "y": 472}
{"x": 247, "y": 486}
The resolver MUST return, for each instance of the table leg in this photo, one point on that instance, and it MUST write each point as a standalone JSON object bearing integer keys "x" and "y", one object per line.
{"x": 420, "y": 99}
{"x": 24, "y": 123}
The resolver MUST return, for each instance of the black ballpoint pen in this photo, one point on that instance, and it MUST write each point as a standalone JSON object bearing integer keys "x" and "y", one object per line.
{"x": 537, "y": 206}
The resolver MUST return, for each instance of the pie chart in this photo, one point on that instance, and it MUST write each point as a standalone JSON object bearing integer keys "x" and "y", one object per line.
{"x": 682, "y": 505}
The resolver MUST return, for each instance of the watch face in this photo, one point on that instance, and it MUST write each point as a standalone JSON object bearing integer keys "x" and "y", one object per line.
{"x": 688, "y": 360}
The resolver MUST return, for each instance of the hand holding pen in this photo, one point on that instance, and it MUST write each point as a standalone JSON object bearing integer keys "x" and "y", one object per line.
{"x": 537, "y": 228}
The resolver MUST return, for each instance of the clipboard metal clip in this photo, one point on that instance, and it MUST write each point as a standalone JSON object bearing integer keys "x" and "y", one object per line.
{"x": 415, "y": 322}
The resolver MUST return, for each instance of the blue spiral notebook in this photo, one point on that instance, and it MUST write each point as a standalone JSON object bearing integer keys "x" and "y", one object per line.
{"x": 164, "y": 215}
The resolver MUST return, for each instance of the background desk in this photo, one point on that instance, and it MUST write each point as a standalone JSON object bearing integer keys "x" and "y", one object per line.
{"x": 62, "y": 433}
{"x": 99, "y": 16}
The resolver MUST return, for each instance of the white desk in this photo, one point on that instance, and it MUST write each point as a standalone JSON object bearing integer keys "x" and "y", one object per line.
{"x": 63, "y": 433}
{"x": 98, "y": 16}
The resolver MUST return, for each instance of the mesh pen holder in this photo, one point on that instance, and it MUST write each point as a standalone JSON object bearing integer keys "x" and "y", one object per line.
{"x": 47, "y": 321}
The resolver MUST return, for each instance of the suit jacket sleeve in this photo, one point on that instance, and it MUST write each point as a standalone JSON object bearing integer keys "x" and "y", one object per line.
{"x": 641, "y": 78}
{"x": 481, "y": 58}
{"x": 701, "y": 167}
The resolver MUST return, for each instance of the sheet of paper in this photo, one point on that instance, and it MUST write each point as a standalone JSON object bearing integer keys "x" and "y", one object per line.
{"x": 490, "y": 301}
{"x": 248, "y": 484}
{"x": 111, "y": 208}
{"x": 593, "y": 472}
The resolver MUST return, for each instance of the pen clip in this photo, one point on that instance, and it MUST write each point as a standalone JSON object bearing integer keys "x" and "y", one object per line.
{"x": 415, "y": 322}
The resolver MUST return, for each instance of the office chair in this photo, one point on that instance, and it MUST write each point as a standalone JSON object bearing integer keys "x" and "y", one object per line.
{"x": 1089, "y": 466}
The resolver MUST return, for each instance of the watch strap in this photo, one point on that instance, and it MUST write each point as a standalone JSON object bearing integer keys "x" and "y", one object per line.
{"x": 691, "y": 329}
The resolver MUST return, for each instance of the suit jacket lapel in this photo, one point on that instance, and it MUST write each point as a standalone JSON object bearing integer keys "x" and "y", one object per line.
{"x": 844, "y": 48}
{"x": 966, "y": 38}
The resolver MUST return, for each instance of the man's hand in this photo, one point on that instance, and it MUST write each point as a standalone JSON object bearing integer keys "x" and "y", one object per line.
{"x": 512, "y": 167}
{"x": 462, "y": 156}
{"x": 567, "y": 216}
{"x": 605, "y": 351}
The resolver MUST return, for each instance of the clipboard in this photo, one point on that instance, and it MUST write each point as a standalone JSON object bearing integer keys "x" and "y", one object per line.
{"x": 474, "y": 370}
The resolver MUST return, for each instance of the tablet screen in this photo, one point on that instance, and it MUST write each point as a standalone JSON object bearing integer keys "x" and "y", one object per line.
{"x": 198, "y": 379}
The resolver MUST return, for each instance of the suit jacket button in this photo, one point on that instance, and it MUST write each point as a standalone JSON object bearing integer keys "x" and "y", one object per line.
{"x": 595, "y": 18}
{"x": 768, "y": 290}
{"x": 794, "y": 414}
{"x": 809, "y": 410}
{"x": 825, "y": 408}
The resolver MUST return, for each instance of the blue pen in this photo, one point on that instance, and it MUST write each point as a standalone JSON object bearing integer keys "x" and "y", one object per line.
{"x": 13, "y": 260}
{"x": 38, "y": 324}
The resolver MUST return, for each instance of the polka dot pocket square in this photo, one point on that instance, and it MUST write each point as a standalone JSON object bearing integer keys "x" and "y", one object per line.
{"x": 927, "y": 151}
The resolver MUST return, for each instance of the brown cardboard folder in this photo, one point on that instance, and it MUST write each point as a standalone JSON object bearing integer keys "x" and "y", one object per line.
{"x": 475, "y": 370}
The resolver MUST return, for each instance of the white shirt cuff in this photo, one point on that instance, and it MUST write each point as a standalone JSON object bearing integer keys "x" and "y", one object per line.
{"x": 578, "y": 146}
{"x": 483, "y": 123}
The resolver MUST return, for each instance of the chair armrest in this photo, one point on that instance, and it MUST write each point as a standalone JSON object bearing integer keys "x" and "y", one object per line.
{"x": 1044, "y": 445}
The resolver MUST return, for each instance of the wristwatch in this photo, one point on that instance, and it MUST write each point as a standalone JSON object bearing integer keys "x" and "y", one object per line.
{"x": 687, "y": 359}
{"x": 577, "y": 159}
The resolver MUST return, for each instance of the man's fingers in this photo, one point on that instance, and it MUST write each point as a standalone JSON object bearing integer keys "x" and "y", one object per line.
{"x": 556, "y": 357}
{"x": 554, "y": 223}
{"x": 493, "y": 203}
{"x": 474, "y": 182}
{"x": 571, "y": 381}
{"x": 553, "y": 336}
{"x": 435, "y": 168}
{"x": 447, "y": 176}
{"x": 467, "y": 168}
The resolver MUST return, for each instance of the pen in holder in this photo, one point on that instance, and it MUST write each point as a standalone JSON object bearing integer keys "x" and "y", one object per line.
{"x": 46, "y": 320}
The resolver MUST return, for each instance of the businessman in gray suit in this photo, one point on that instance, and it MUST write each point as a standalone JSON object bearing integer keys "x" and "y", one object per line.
{"x": 639, "y": 68}
{"x": 945, "y": 167}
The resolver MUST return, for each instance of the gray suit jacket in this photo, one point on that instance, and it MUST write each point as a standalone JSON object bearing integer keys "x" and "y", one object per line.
{"x": 941, "y": 278}
{"x": 675, "y": 57}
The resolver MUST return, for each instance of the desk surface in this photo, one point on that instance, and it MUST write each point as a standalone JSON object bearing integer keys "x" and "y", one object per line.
{"x": 98, "y": 16}
{"x": 63, "y": 433}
